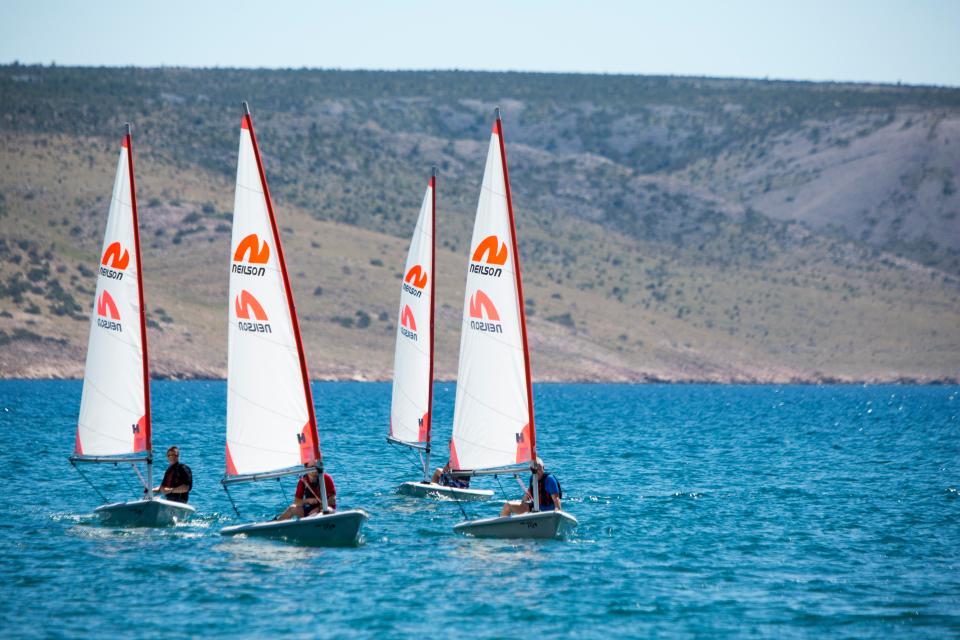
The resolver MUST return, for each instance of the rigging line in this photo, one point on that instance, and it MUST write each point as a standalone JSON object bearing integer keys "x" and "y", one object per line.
{"x": 283, "y": 491}
{"x": 230, "y": 497}
{"x": 459, "y": 504}
{"x": 87, "y": 480}
{"x": 410, "y": 450}
{"x": 413, "y": 459}
{"x": 497, "y": 478}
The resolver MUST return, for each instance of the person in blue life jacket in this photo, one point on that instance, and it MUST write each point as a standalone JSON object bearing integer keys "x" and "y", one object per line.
{"x": 550, "y": 494}
{"x": 445, "y": 478}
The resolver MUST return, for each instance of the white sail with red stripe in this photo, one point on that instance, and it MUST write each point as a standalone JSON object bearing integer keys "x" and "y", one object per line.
{"x": 114, "y": 415}
{"x": 270, "y": 419}
{"x": 410, "y": 409}
{"x": 493, "y": 417}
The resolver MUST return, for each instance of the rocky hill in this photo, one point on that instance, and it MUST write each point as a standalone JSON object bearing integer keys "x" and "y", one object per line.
{"x": 670, "y": 228}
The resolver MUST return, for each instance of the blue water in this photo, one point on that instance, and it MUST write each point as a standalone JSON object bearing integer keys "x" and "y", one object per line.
{"x": 704, "y": 511}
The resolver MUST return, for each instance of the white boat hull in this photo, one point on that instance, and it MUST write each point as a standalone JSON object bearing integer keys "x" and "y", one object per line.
{"x": 431, "y": 490}
{"x": 335, "y": 529}
{"x": 144, "y": 513}
{"x": 543, "y": 524}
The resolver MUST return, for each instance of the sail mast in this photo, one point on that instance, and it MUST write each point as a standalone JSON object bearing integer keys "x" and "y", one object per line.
{"x": 286, "y": 284}
{"x": 519, "y": 280}
{"x": 433, "y": 292}
{"x": 147, "y": 418}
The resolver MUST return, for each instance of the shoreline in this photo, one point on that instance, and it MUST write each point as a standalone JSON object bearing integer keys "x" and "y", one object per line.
{"x": 641, "y": 380}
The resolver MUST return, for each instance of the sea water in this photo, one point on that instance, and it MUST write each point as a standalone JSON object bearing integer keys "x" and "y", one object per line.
{"x": 704, "y": 511}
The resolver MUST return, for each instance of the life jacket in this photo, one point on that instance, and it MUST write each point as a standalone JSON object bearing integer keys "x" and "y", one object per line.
{"x": 545, "y": 498}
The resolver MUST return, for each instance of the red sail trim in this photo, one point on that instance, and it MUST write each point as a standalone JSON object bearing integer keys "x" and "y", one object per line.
{"x": 424, "y": 434}
{"x": 498, "y": 130}
{"x": 307, "y": 444}
{"x": 523, "y": 445}
{"x": 231, "y": 468}
{"x": 140, "y": 436}
{"x": 77, "y": 448}
{"x": 147, "y": 417}
{"x": 454, "y": 461}
{"x": 428, "y": 418}
{"x": 248, "y": 124}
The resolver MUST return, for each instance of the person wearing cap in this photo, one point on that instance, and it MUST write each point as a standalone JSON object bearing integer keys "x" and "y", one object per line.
{"x": 549, "y": 490}
{"x": 306, "y": 499}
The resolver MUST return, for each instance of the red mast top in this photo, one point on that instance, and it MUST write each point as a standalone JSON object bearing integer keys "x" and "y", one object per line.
{"x": 498, "y": 129}
{"x": 247, "y": 123}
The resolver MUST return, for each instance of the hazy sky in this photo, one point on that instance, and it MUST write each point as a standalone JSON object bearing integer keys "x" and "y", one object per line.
{"x": 913, "y": 41}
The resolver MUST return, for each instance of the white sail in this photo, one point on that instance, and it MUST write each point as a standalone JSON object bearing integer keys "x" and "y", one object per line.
{"x": 412, "y": 372}
{"x": 113, "y": 408}
{"x": 492, "y": 413}
{"x": 269, "y": 411}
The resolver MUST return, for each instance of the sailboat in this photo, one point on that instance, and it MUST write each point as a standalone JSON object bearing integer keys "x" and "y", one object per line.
{"x": 114, "y": 424}
{"x": 411, "y": 408}
{"x": 493, "y": 423}
{"x": 271, "y": 425}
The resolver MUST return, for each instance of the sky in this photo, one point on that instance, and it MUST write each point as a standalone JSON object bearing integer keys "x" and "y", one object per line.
{"x": 911, "y": 41}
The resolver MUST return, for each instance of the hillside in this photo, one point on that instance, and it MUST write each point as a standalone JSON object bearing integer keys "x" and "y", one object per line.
{"x": 670, "y": 228}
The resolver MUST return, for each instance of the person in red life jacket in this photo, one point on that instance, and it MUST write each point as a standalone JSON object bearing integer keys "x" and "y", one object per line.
{"x": 549, "y": 489}
{"x": 307, "y": 500}
{"x": 444, "y": 477}
{"x": 177, "y": 481}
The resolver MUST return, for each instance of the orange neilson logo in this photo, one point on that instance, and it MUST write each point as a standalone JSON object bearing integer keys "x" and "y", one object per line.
{"x": 481, "y": 305}
{"x": 246, "y": 303}
{"x": 495, "y": 250}
{"x": 408, "y": 325}
{"x": 416, "y": 276}
{"x": 116, "y": 256}
{"x": 259, "y": 253}
{"x": 406, "y": 318}
{"x": 106, "y": 307}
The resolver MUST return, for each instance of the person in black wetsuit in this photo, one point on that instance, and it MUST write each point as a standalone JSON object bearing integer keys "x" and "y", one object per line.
{"x": 178, "y": 480}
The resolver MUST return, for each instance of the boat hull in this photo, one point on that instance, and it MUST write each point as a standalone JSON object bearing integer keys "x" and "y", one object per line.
{"x": 144, "y": 513}
{"x": 333, "y": 529}
{"x": 544, "y": 525}
{"x": 431, "y": 490}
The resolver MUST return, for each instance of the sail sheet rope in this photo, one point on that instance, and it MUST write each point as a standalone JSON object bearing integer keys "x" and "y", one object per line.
{"x": 87, "y": 480}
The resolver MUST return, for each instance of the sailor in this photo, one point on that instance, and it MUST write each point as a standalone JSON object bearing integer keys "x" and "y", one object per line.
{"x": 178, "y": 480}
{"x": 306, "y": 499}
{"x": 549, "y": 490}
{"x": 447, "y": 479}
